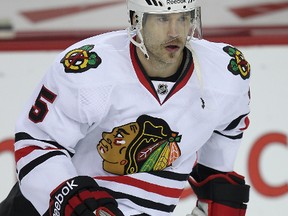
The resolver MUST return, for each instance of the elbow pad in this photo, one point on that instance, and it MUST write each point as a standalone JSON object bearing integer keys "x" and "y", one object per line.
{"x": 225, "y": 193}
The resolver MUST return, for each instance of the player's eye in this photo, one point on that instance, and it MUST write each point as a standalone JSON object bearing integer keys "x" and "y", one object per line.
{"x": 162, "y": 18}
{"x": 184, "y": 18}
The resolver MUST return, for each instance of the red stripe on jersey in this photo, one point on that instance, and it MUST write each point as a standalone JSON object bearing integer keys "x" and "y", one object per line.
{"x": 27, "y": 150}
{"x": 247, "y": 123}
{"x": 24, "y": 152}
{"x": 140, "y": 73}
{"x": 182, "y": 83}
{"x": 164, "y": 191}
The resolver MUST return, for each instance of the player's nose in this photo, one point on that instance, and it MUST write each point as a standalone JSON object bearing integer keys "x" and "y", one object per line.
{"x": 173, "y": 29}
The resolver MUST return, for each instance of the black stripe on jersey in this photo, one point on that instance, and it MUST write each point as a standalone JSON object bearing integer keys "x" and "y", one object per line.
{"x": 235, "y": 122}
{"x": 24, "y": 136}
{"x": 34, "y": 163}
{"x": 147, "y": 82}
{"x": 239, "y": 136}
{"x": 142, "y": 202}
{"x": 187, "y": 68}
{"x": 171, "y": 175}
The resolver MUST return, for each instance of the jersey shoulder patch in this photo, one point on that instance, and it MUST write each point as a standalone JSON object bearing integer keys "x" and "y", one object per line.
{"x": 223, "y": 67}
{"x": 238, "y": 64}
{"x": 80, "y": 59}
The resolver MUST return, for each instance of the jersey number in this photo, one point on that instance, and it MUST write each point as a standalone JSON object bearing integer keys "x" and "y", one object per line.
{"x": 40, "y": 109}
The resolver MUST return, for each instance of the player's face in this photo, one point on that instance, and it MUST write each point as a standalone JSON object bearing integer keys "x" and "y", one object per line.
{"x": 165, "y": 35}
{"x": 113, "y": 146}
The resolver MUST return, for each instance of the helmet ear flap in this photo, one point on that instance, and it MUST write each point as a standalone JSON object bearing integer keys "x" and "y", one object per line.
{"x": 135, "y": 29}
{"x": 131, "y": 15}
{"x": 134, "y": 19}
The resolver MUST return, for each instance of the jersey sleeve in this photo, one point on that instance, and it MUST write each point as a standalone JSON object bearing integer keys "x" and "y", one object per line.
{"x": 47, "y": 132}
{"x": 220, "y": 151}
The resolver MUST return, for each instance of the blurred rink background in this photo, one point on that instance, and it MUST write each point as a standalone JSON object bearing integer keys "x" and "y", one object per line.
{"x": 33, "y": 32}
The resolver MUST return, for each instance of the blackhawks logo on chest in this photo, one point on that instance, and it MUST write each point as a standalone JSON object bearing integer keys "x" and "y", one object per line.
{"x": 148, "y": 144}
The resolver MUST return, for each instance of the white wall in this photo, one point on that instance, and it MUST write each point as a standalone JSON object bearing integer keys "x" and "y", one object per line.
{"x": 21, "y": 71}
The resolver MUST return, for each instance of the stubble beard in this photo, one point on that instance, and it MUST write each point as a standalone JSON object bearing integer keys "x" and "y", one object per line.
{"x": 162, "y": 56}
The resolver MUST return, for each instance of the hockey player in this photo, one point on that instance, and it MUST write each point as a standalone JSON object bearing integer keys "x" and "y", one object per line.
{"x": 122, "y": 120}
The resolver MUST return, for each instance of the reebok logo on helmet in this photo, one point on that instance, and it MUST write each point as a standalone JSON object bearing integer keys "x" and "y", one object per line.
{"x": 169, "y": 2}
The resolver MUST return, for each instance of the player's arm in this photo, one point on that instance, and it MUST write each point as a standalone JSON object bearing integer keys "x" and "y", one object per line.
{"x": 47, "y": 132}
{"x": 220, "y": 190}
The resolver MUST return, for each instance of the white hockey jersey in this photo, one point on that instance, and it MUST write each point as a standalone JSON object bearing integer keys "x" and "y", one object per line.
{"x": 97, "y": 113}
